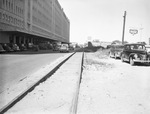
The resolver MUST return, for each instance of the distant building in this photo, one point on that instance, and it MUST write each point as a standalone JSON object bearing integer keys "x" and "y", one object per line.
{"x": 24, "y": 21}
{"x": 105, "y": 44}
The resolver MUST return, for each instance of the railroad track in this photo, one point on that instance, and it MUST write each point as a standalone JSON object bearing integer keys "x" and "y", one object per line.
{"x": 74, "y": 101}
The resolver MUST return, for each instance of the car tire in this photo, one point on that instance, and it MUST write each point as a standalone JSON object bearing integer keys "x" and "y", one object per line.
{"x": 109, "y": 54}
{"x": 115, "y": 56}
{"x": 131, "y": 61}
{"x": 122, "y": 59}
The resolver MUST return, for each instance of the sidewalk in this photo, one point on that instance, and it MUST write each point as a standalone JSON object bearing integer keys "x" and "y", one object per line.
{"x": 55, "y": 95}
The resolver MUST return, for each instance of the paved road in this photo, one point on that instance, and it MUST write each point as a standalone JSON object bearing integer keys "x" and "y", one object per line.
{"x": 14, "y": 67}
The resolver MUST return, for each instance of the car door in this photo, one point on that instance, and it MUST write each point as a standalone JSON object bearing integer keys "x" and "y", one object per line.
{"x": 126, "y": 52}
{"x": 112, "y": 50}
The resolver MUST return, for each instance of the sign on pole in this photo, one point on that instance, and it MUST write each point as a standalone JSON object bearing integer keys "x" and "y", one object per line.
{"x": 133, "y": 31}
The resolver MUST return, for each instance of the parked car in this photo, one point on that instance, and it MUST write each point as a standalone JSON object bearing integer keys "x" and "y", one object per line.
{"x": 56, "y": 47}
{"x": 33, "y": 47}
{"x": 115, "y": 51}
{"x": 7, "y": 47}
{"x": 22, "y": 47}
{"x": 45, "y": 46}
{"x": 1, "y": 49}
{"x": 134, "y": 53}
{"x": 147, "y": 48}
{"x": 64, "y": 48}
{"x": 14, "y": 46}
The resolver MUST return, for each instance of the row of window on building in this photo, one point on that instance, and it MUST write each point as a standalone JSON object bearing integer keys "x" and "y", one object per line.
{"x": 40, "y": 16}
{"x": 13, "y": 6}
{"x": 12, "y": 20}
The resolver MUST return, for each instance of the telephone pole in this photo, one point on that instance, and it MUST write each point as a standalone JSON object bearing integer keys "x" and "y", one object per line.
{"x": 124, "y": 20}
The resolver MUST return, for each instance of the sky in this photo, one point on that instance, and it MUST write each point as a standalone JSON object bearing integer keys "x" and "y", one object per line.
{"x": 103, "y": 19}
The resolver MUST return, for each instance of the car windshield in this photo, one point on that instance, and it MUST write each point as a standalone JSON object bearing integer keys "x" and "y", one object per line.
{"x": 64, "y": 45}
{"x": 137, "y": 47}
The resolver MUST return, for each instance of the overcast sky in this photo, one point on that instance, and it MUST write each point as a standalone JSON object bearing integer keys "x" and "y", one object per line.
{"x": 103, "y": 19}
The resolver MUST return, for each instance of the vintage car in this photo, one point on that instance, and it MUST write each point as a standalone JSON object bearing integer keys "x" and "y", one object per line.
{"x": 134, "y": 53}
{"x": 115, "y": 51}
{"x": 147, "y": 48}
{"x": 33, "y": 47}
{"x": 1, "y": 49}
{"x": 64, "y": 48}
{"x": 22, "y": 47}
{"x": 7, "y": 47}
{"x": 14, "y": 46}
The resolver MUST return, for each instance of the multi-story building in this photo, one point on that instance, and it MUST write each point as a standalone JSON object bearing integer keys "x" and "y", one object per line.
{"x": 24, "y": 21}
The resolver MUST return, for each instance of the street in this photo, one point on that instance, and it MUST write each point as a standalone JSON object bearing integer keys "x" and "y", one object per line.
{"x": 15, "y": 67}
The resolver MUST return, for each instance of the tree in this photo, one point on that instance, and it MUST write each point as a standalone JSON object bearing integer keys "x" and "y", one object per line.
{"x": 90, "y": 44}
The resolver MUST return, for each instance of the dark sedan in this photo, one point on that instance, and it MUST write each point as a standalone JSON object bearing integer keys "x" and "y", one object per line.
{"x": 135, "y": 53}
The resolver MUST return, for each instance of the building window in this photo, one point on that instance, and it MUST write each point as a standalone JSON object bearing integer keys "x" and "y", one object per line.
{"x": 3, "y": 4}
{"x": 0, "y": 15}
{"x": 6, "y": 17}
{"x": 11, "y": 20}
{"x": 6, "y": 4}
{"x": 11, "y": 6}
{"x": 3, "y": 16}
{"x": 15, "y": 21}
{"x": 16, "y": 10}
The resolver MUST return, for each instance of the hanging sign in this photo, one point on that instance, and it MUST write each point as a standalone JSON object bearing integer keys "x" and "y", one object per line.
{"x": 133, "y": 31}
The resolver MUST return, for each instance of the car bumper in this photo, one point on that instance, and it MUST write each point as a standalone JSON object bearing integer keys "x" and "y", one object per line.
{"x": 142, "y": 61}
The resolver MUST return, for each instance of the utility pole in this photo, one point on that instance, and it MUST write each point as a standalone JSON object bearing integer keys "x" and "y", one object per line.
{"x": 124, "y": 20}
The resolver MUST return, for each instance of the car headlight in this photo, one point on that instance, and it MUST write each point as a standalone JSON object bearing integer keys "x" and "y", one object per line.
{"x": 135, "y": 56}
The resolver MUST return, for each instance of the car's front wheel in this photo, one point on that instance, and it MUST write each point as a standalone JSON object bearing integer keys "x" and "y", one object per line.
{"x": 109, "y": 54}
{"x": 122, "y": 59}
{"x": 131, "y": 61}
{"x": 115, "y": 56}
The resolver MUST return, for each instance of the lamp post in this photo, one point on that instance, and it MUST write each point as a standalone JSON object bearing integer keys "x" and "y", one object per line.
{"x": 124, "y": 20}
